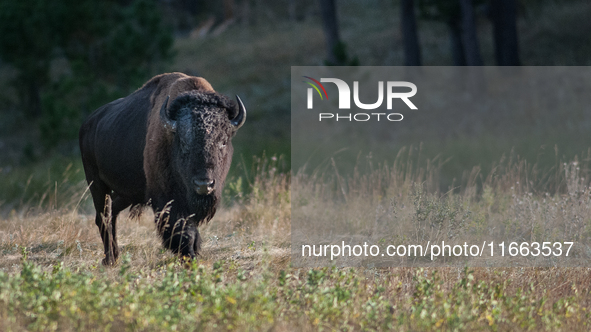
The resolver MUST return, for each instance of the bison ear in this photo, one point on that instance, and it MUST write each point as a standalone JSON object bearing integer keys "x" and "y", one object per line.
{"x": 238, "y": 121}
{"x": 168, "y": 122}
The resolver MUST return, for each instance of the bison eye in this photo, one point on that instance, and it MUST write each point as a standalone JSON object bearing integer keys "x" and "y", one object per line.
{"x": 222, "y": 145}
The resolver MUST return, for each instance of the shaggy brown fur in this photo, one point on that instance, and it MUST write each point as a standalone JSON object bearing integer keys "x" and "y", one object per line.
{"x": 158, "y": 139}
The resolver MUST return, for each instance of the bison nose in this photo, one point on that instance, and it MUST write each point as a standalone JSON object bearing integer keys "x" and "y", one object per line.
{"x": 204, "y": 187}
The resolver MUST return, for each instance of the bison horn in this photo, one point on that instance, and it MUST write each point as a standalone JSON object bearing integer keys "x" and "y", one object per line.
{"x": 238, "y": 121}
{"x": 168, "y": 122}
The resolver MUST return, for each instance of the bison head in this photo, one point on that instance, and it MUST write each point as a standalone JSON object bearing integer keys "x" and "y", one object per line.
{"x": 202, "y": 125}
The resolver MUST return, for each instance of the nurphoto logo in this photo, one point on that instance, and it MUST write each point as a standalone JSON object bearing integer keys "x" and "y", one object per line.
{"x": 344, "y": 99}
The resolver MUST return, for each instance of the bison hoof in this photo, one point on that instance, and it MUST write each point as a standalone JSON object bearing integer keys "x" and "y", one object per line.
{"x": 187, "y": 257}
{"x": 187, "y": 261}
{"x": 109, "y": 261}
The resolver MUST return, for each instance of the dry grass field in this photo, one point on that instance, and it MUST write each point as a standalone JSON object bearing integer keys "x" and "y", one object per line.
{"x": 51, "y": 277}
{"x": 401, "y": 204}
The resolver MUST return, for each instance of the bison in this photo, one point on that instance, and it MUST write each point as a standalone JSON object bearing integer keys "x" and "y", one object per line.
{"x": 167, "y": 145}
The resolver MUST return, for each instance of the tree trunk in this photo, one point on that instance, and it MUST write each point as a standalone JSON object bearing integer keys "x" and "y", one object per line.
{"x": 504, "y": 19}
{"x": 331, "y": 29}
{"x": 246, "y": 12}
{"x": 292, "y": 9}
{"x": 410, "y": 37}
{"x": 228, "y": 9}
{"x": 469, "y": 35}
{"x": 258, "y": 12}
{"x": 190, "y": 6}
{"x": 457, "y": 46}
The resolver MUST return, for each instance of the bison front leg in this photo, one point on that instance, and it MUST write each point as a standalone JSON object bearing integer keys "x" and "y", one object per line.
{"x": 181, "y": 240}
{"x": 178, "y": 234}
{"x": 197, "y": 243}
